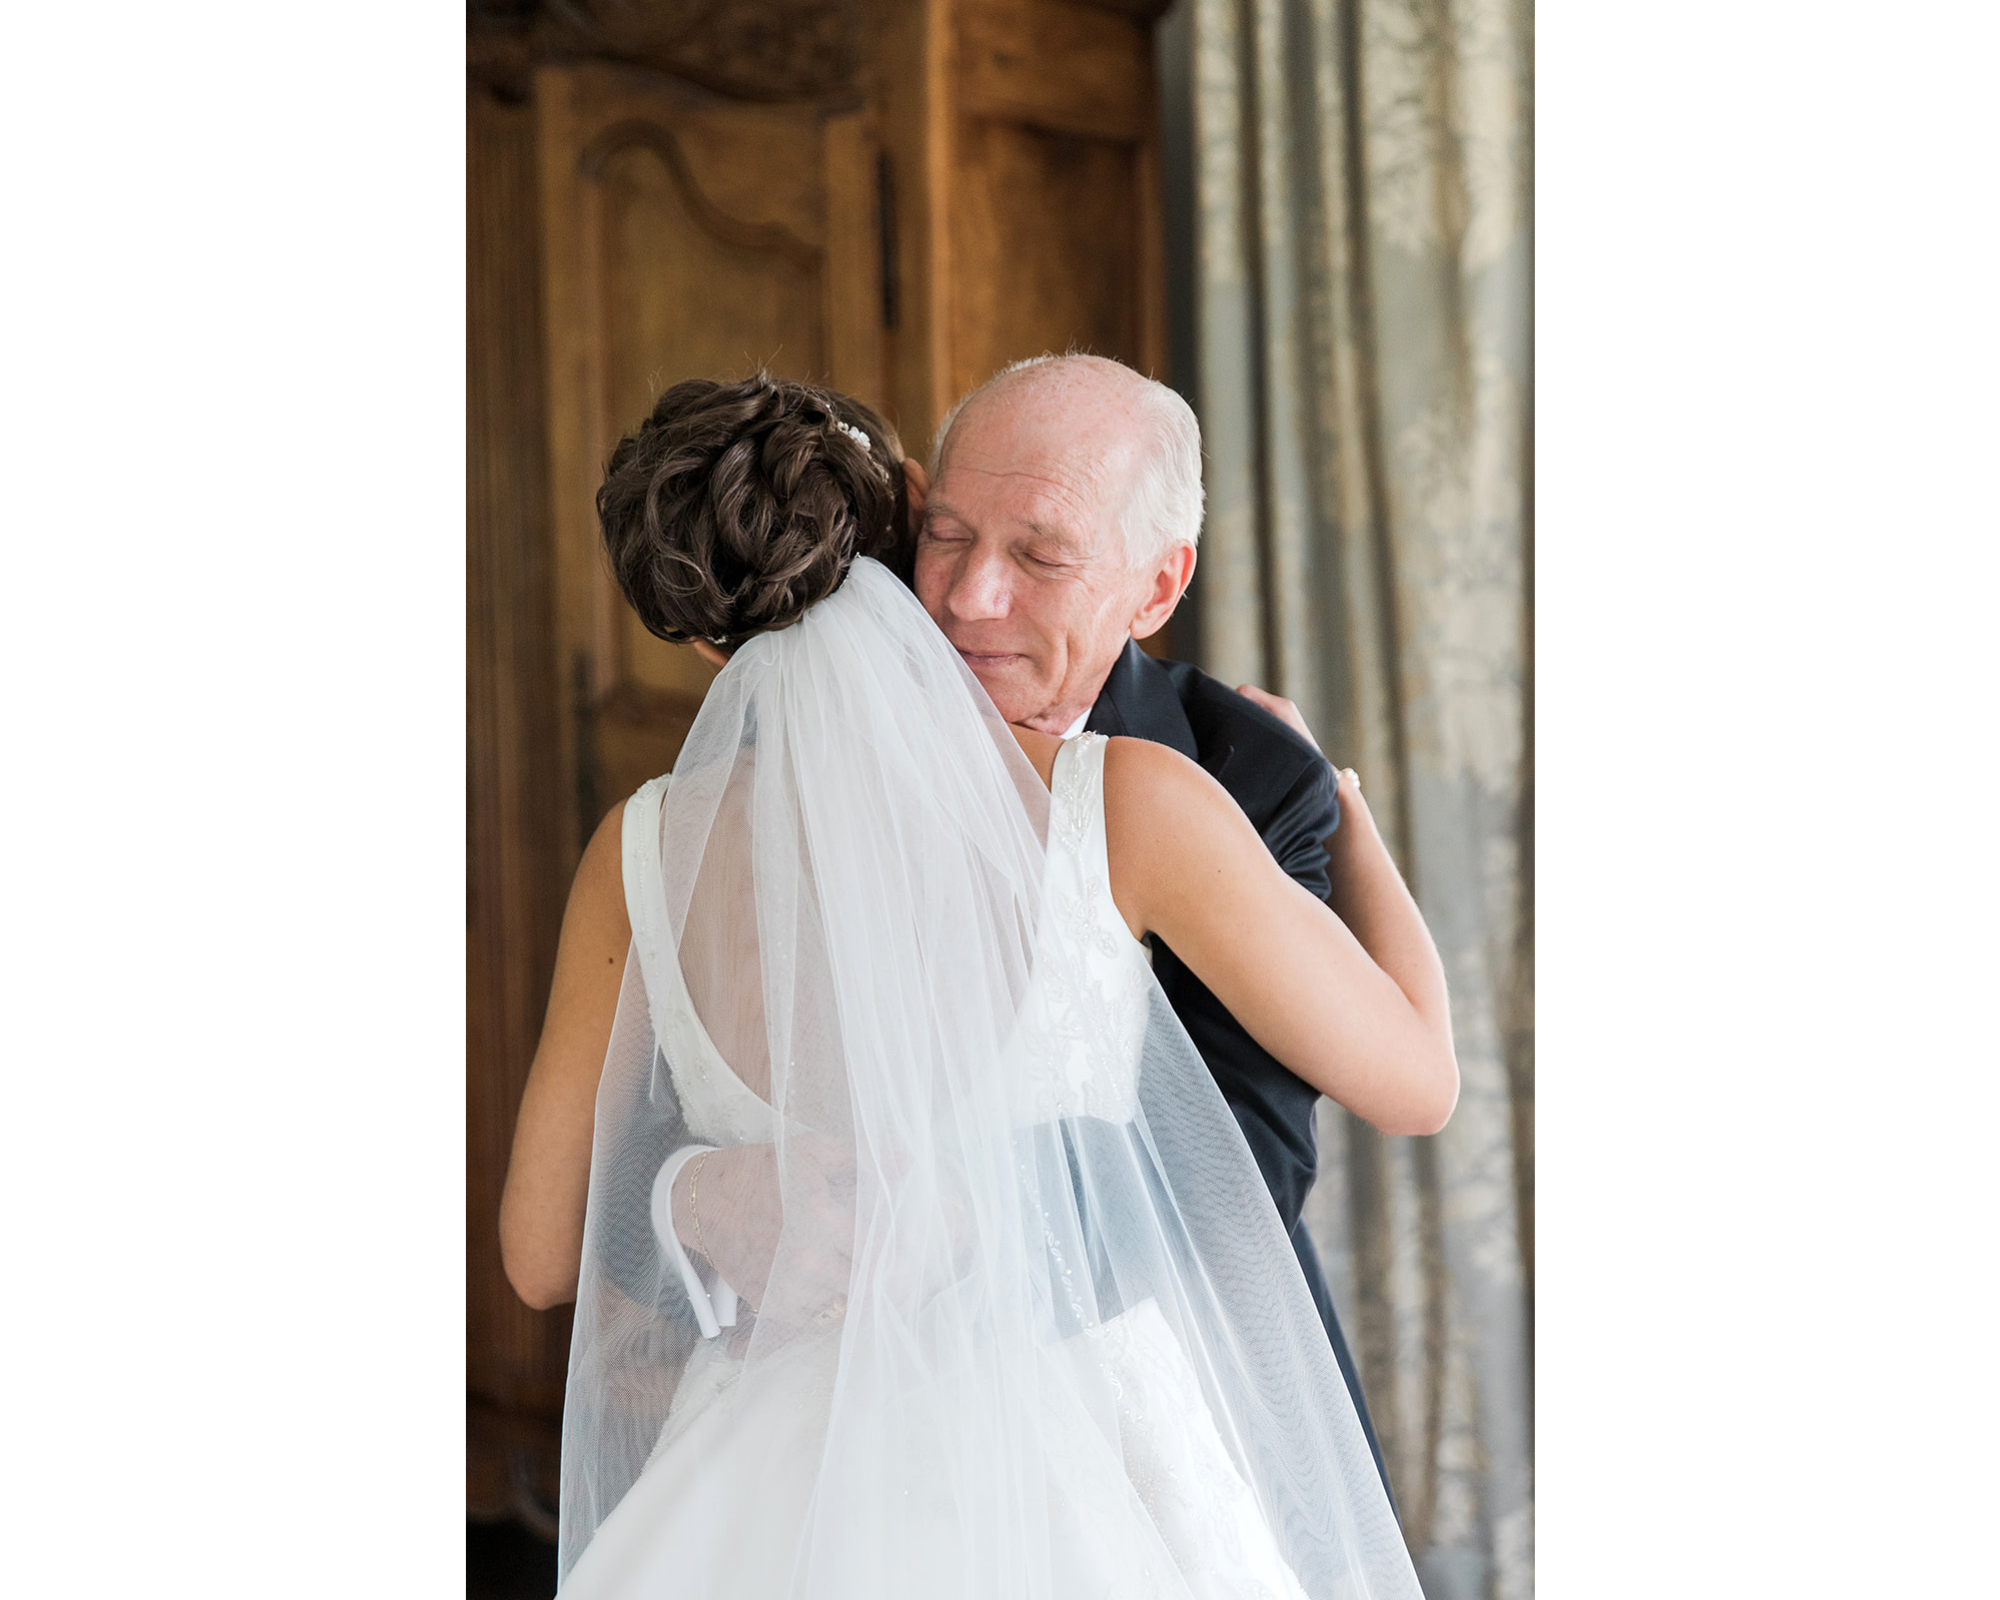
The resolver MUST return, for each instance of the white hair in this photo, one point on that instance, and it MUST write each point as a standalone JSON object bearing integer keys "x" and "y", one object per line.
{"x": 1164, "y": 507}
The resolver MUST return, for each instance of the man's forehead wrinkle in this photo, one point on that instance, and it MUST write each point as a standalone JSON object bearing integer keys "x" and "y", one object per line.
{"x": 1041, "y": 485}
{"x": 1080, "y": 466}
{"x": 1062, "y": 445}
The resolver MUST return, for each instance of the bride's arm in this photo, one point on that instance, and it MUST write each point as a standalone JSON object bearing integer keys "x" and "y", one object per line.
{"x": 548, "y": 1176}
{"x": 1355, "y": 1007}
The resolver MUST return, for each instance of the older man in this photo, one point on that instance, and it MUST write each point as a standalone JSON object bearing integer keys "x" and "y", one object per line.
{"x": 1060, "y": 518}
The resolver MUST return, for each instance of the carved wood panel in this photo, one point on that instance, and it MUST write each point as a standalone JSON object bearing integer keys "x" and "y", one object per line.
{"x": 685, "y": 236}
{"x": 1062, "y": 212}
{"x": 1056, "y": 65}
{"x": 1050, "y": 160}
{"x": 754, "y": 49}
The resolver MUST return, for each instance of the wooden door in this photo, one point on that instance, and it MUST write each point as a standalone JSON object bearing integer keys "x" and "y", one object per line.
{"x": 973, "y": 185}
{"x": 1024, "y": 141}
{"x": 627, "y": 230}
{"x": 517, "y": 846}
{"x": 1054, "y": 198}
{"x": 685, "y": 235}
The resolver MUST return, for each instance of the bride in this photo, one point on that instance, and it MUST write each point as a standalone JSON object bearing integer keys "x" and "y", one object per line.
{"x": 868, "y": 975}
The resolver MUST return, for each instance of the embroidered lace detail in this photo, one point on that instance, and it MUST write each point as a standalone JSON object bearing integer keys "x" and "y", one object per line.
{"x": 1079, "y": 1048}
{"x": 1084, "y": 1022}
{"x": 1204, "y": 1509}
{"x": 1078, "y": 763}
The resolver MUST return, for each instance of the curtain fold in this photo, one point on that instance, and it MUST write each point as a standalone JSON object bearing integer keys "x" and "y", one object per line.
{"x": 1360, "y": 175}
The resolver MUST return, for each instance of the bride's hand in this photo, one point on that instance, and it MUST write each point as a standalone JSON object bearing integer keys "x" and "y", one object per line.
{"x": 1284, "y": 710}
{"x": 731, "y": 1212}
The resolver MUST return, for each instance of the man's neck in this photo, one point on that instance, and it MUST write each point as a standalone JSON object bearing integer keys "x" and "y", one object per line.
{"x": 1065, "y": 721}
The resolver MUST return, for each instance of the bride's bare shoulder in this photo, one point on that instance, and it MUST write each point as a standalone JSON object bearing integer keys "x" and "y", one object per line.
{"x": 1167, "y": 824}
{"x": 1140, "y": 775}
{"x": 596, "y": 916}
{"x": 1162, "y": 812}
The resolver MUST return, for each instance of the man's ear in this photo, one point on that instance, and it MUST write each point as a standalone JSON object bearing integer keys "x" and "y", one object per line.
{"x": 1170, "y": 582}
{"x": 919, "y": 485}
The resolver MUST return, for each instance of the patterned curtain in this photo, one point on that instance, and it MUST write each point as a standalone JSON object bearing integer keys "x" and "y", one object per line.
{"x": 1355, "y": 243}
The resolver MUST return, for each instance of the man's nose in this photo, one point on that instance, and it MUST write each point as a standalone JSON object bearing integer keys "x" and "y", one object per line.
{"x": 979, "y": 589}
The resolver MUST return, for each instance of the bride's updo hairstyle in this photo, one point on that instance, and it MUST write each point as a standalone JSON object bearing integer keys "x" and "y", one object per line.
{"x": 735, "y": 506}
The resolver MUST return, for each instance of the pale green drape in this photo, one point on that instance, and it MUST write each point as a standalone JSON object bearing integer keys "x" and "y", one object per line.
{"x": 1352, "y": 222}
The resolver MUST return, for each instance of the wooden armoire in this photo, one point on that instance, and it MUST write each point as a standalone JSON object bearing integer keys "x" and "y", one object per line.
{"x": 895, "y": 197}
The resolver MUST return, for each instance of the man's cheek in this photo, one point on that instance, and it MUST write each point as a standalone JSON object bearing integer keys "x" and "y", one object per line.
{"x": 925, "y": 580}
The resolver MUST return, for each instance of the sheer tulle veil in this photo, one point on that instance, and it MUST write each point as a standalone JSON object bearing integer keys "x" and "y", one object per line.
{"x": 989, "y": 1169}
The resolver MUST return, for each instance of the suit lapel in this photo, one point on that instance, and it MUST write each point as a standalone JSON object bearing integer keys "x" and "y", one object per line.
{"x": 1138, "y": 700}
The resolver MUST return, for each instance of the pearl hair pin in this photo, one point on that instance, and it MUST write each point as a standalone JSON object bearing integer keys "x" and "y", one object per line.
{"x": 855, "y": 434}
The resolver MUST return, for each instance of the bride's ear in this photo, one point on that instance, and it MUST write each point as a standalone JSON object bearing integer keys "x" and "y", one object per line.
{"x": 713, "y": 654}
{"x": 919, "y": 491}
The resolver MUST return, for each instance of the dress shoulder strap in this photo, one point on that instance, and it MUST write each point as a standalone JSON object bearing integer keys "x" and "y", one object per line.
{"x": 716, "y": 1104}
{"x": 1085, "y": 1019}
{"x": 639, "y": 853}
{"x": 1076, "y": 805}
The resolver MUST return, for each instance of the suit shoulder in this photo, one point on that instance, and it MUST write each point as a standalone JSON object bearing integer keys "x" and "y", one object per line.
{"x": 1221, "y": 717}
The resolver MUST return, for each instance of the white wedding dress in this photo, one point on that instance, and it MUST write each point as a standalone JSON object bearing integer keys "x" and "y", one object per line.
{"x": 1158, "y": 1510}
{"x": 1055, "y": 1345}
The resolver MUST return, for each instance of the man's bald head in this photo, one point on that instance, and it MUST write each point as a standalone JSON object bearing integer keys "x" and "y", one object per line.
{"x": 1135, "y": 437}
{"x": 1060, "y": 523}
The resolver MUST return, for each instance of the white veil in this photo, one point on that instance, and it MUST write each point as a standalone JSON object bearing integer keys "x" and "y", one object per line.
{"x": 952, "y": 1394}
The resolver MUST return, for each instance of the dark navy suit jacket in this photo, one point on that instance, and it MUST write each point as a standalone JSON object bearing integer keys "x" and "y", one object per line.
{"x": 1286, "y": 789}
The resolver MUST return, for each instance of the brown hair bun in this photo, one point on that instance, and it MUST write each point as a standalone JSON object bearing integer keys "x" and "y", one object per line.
{"x": 735, "y": 506}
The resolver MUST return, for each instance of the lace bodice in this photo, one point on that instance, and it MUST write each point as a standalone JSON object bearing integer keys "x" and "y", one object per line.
{"x": 1085, "y": 1017}
{"x": 1077, "y": 1047}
